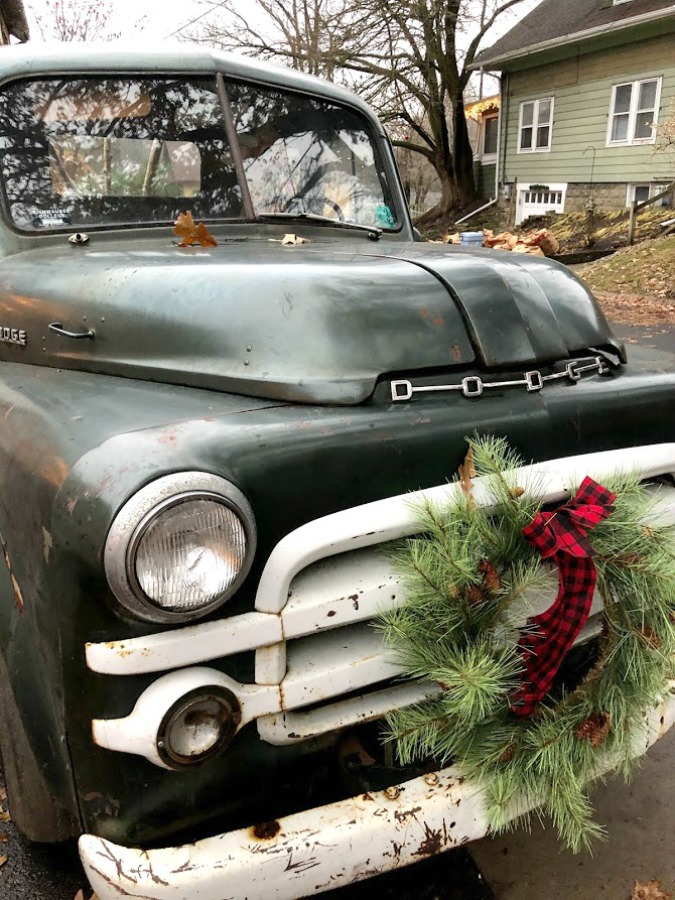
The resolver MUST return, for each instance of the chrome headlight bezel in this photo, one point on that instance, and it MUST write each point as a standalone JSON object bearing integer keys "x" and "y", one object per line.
{"x": 139, "y": 512}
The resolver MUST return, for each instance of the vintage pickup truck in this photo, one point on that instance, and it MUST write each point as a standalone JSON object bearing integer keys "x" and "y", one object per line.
{"x": 204, "y": 448}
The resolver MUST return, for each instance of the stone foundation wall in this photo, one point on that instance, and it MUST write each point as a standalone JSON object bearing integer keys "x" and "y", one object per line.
{"x": 605, "y": 196}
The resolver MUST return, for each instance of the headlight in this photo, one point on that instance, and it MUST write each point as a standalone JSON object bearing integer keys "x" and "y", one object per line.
{"x": 180, "y": 547}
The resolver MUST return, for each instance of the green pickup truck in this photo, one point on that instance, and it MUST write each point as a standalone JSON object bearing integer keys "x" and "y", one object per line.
{"x": 206, "y": 438}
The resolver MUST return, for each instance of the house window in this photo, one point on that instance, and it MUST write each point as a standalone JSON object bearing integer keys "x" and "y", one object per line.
{"x": 539, "y": 199}
{"x": 536, "y": 120}
{"x": 490, "y": 135}
{"x": 633, "y": 112}
{"x": 641, "y": 192}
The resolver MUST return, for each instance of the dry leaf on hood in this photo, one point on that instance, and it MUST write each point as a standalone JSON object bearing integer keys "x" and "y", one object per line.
{"x": 191, "y": 232}
{"x": 290, "y": 240}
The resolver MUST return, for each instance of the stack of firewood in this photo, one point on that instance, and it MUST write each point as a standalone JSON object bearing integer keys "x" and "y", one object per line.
{"x": 534, "y": 243}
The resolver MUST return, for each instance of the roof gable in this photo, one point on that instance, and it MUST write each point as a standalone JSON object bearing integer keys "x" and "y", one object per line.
{"x": 564, "y": 21}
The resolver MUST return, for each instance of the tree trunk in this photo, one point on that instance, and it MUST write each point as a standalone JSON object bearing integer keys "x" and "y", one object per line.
{"x": 462, "y": 157}
{"x": 455, "y": 172}
{"x": 457, "y": 192}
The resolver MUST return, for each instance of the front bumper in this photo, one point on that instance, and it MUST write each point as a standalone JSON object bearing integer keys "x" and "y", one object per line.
{"x": 320, "y": 668}
{"x": 315, "y": 850}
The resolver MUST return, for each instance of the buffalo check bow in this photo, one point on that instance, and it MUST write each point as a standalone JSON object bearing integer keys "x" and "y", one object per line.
{"x": 561, "y": 536}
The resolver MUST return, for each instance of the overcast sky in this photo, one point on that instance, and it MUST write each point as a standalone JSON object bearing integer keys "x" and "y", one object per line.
{"x": 155, "y": 20}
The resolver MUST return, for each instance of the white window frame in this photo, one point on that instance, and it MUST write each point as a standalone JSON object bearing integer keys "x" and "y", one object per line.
{"x": 550, "y": 188}
{"x": 655, "y": 187}
{"x": 488, "y": 157}
{"x": 631, "y": 140}
{"x": 535, "y": 125}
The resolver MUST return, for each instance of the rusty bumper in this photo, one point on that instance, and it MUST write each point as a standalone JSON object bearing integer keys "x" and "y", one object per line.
{"x": 315, "y": 850}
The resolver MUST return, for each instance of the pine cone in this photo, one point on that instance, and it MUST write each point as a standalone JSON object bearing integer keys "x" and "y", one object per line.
{"x": 595, "y": 729}
{"x": 518, "y": 492}
{"x": 491, "y": 578}
{"x": 475, "y": 594}
{"x": 508, "y": 754}
{"x": 651, "y": 637}
{"x": 628, "y": 559}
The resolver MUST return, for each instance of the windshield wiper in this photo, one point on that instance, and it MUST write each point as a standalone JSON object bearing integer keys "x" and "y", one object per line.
{"x": 315, "y": 219}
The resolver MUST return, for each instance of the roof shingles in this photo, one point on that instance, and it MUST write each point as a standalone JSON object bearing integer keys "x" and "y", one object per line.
{"x": 562, "y": 19}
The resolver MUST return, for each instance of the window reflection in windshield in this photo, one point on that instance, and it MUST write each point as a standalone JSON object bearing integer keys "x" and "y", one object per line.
{"x": 304, "y": 155}
{"x": 81, "y": 152}
{"x": 115, "y": 150}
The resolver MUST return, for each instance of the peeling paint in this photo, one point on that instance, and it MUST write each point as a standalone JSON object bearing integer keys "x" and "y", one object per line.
{"x": 18, "y": 596}
{"x": 432, "y": 843}
{"x": 265, "y": 831}
{"x": 402, "y": 814}
{"x": 47, "y": 543}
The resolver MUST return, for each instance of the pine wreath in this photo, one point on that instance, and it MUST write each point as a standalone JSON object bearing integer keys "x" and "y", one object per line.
{"x": 465, "y": 576}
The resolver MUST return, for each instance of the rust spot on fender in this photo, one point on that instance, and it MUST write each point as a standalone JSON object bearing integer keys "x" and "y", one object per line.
{"x": 456, "y": 352}
{"x": 265, "y": 831}
{"x": 424, "y": 313}
{"x": 168, "y": 437}
{"x": 355, "y": 600}
{"x": 438, "y": 321}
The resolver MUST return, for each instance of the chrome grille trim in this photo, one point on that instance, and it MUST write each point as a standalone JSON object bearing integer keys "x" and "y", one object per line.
{"x": 474, "y": 386}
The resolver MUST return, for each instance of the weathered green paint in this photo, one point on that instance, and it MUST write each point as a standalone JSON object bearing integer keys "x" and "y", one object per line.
{"x": 582, "y": 92}
{"x": 310, "y": 323}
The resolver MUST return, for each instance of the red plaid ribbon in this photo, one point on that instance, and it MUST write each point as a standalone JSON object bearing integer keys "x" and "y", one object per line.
{"x": 561, "y": 536}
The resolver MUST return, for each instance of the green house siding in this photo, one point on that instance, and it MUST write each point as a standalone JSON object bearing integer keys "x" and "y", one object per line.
{"x": 484, "y": 178}
{"x": 582, "y": 91}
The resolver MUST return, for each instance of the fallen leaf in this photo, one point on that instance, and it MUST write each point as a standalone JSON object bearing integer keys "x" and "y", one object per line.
{"x": 4, "y": 838}
{"x": 290, "y": 239}
{"x": 467, "y": 472}
{"x": 3, "y": 860}
{"x": 650, "y": 891}
{"x": 5, "y": 816}
{"x": 191, "y": 232}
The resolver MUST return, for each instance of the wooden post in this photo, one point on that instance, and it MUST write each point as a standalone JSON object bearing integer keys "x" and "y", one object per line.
{"x": 631, "y": 222}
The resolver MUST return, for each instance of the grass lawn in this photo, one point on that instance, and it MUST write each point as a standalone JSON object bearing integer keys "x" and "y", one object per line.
{"x": 636, "y": 285}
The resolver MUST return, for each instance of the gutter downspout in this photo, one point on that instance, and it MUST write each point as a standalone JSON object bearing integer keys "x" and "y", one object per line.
{"x": 501, "y": 131}
{"x": 502, "y": 105}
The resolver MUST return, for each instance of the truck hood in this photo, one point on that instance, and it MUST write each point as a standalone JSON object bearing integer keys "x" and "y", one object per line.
{"x": 315, "y": 323}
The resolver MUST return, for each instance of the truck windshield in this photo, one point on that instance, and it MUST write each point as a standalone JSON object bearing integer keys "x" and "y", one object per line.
{"x": 86, "y": 152}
